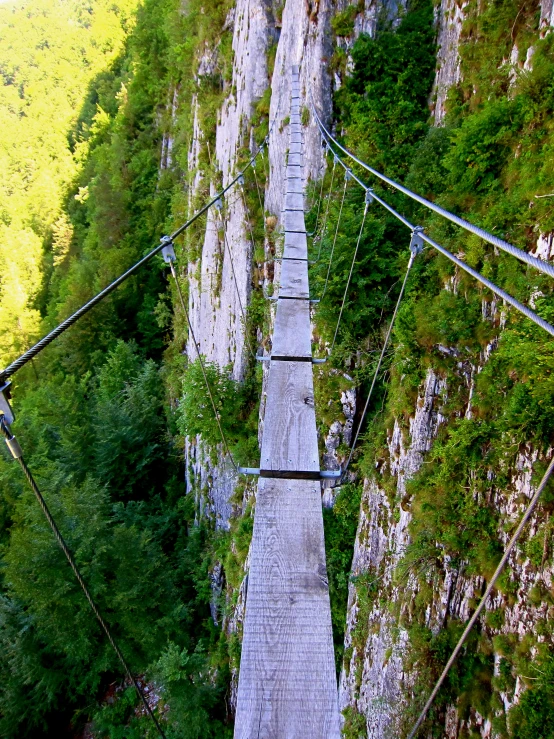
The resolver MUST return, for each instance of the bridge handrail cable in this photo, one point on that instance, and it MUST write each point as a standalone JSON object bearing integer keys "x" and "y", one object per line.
{"x": 539, "y": 264}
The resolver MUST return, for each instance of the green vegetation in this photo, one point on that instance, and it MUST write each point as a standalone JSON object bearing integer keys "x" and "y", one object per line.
{"x": 488, "y": 163}
{"x": 91, "y": 93}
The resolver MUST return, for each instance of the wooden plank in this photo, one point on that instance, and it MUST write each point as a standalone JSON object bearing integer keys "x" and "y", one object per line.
{"x": 296, "y": 245}
{"x": 294, "y": 201}
{"x": 294, "y": 279}
{"x": 292, "y": 332}
{"x": 290, "y": 439}
{"x": 287, "y": 686}
{"x": 295, "y": 185}
{"x": 294, "y": 171}
{"x": 294, "y": 220}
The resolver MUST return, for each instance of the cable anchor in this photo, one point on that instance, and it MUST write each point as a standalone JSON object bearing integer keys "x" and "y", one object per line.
{"x": 416, "y": 242}
{"x": 347, "y": 174}
{"x": 168, "y": 251}
{"x": 219, "y": 204}
{"x": 6, "y": 413}
{"x": 241, "y": 179}
{"x": 5, "y": 423}
{"x": 369, "y": 196}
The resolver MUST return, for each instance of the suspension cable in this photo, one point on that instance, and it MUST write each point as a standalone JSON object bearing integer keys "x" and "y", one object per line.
{"x": 527, "y": 312}
{"x": 40, "y": 345}
{"x": 327, "y": 206}
{"x": 17, "y": 453}
{"x": 539, "y": 264}
{"x": 346, "y": 178}
{"x": 201, "y": 361}
{"x": 509, "y": 549}
{"x": 367, "y": 202}
{"x": 320, "y": 193}
{"x": 243, "y": 314}
{"x": 381, "y": 356}
{"x": 259, "y": 191}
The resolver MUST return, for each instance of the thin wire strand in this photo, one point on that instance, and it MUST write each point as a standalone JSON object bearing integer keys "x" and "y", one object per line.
{"x": 539, "y": 264}
{"x": 335, "y": 238}
{"x": 509, "y": 549}
{"x": 349, "y": 276}
{"x": 228, "y": 248}
{"x": 376, "y": 373}
{"x": 259, "y": 192}
{"x": 69, "y": 556}
{"x": 314, "y": 232}
{"x": 216, "y": 414}
{"x": 502, "y": 294}
{"x": 327, "y": 207}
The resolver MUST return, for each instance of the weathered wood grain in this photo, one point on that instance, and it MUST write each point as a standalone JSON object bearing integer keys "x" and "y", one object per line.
{"x": 293, "y": 220}
{"x": 294, "y": 201}
{"x": 292, "y": 333}
{"x": 295, "y": 184}
{"x": 296, "y": 245}
{"x": 294, "y": 279}
{"x": 287, "y": 687}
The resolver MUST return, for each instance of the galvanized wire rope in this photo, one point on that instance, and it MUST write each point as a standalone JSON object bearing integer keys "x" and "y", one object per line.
{"x": 346, "y": 178}
{"x": 314, "y": 232}
{"x": 327, "y": 206}
{"x": 539, "y": 264}
{"x": 380, "y": 361}
{"x": 46, "y": 340}
{"x": 242, "y": 311}
{"x": 527, "y": 312}
{"x": 509, "y": 549}
{"x": 202, "y": 367}
{"x": 350, "y": 273}
{"x": 16, "y": 452}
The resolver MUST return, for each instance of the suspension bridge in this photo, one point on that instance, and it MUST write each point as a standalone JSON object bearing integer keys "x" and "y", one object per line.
{"x": 287, "y": 685}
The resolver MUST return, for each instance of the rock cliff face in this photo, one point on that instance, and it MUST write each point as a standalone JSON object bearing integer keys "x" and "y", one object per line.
{"x": 377, "y": 680}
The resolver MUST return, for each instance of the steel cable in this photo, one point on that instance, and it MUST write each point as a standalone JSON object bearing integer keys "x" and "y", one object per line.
{"x": 46, "y": 340}
{"x": 461, "y": 222}
{"x": 335, "y": 238}
{"x": 527, "y": 312}
{"x": 381, "y": 356}
{"x": 327, "y": 207}
{"x": 350, "y": 275}
{"x": 212, "y": 401}
{"x": 509, "y": 549}
{"x": 15, "y": 449}
{"x": 228, "y": 248}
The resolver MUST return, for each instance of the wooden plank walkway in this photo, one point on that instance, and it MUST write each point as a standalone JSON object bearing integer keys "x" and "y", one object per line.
{"x": 287, "y": 685}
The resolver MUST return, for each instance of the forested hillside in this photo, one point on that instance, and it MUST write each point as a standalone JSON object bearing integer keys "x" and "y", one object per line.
{"x": 110, "y": 136}
{"x": 85, "y": 103}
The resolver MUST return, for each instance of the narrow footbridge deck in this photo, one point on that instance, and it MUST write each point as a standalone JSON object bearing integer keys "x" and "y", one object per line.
{"x": 287, "y": 684}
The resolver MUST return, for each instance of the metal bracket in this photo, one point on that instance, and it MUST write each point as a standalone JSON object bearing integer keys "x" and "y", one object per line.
{"x": 5, "y": 407}
{"x": 219, "y": 204}
{"x": 280, "y": 358}
{"x": 417, "y": 243}
{"x": 347, "y": 174}
{"x": 168, "y": 252}
{"x": 369, "y": 196}
{"x": 292, "y": 474}
{"x": 241, "y": 179}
